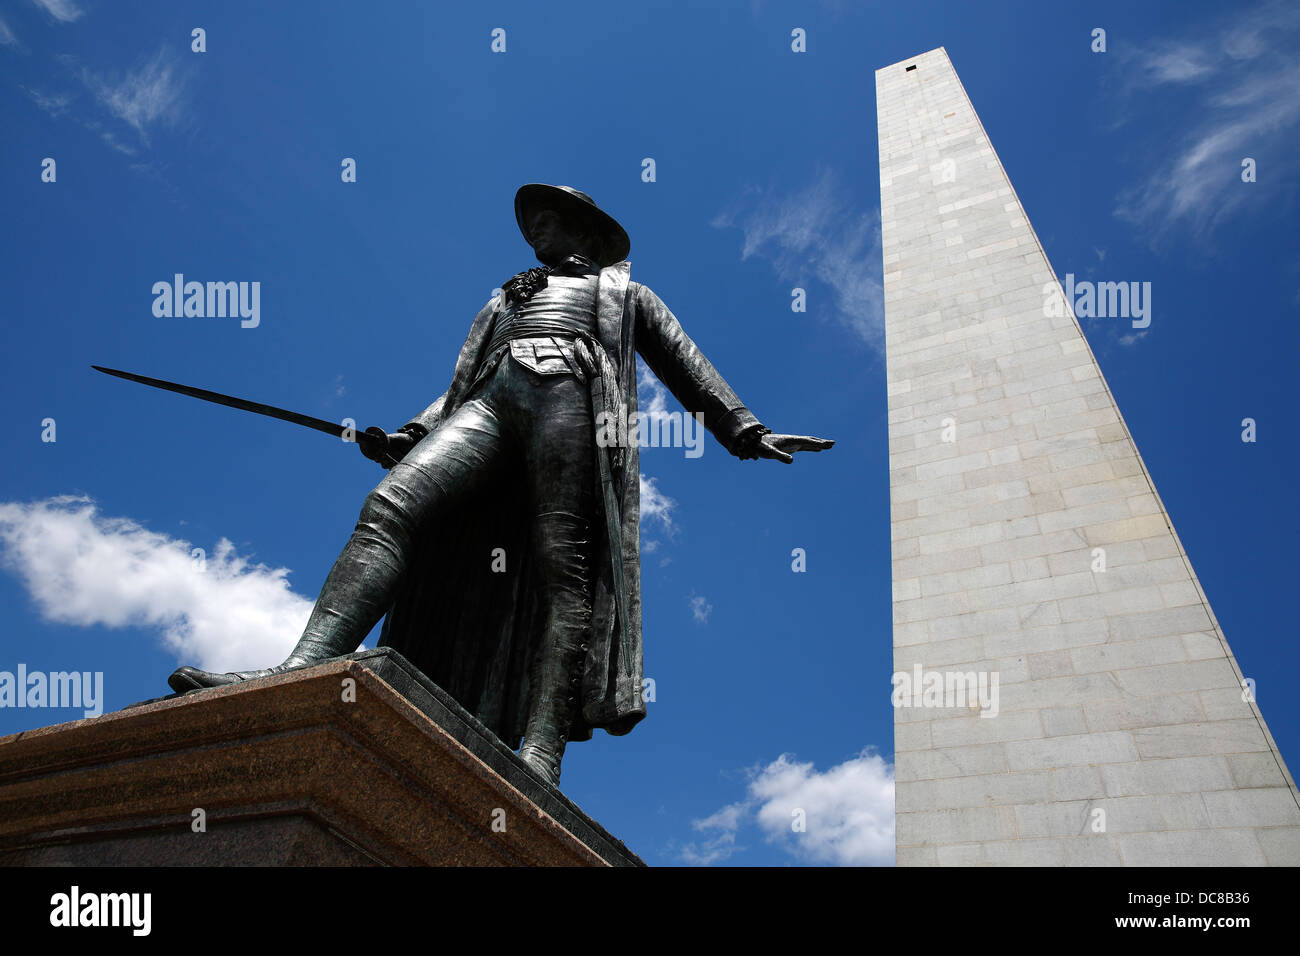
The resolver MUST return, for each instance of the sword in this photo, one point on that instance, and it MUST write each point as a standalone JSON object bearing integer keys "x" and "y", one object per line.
{"x": 374, "y": 437}
{"x": 594, "y": 374}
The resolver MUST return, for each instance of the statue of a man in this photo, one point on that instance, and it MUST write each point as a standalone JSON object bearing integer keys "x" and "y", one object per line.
{"x": 503, "y": 544}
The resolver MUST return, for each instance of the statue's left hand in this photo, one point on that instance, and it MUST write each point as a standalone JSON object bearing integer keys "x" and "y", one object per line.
{"x": 781, "y": 447}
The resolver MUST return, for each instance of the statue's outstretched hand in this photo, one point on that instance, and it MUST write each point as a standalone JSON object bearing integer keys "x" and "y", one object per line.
{"x": 781, "y": 447}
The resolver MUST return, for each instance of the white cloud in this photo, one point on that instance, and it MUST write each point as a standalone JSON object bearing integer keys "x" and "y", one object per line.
{"x": 813, "y": 234}
{"x": 142, "y": 97}
{"x": 848, "y": 812}
{"x": 85, "y": 569}
{"x": 1176, "y": 63}
{"x": 722, "y": 844}
{"x": 7, "y": 37}
{"x": 651, "y": 398}
{"x": 700, "y": 608}
{"x": 1244, "y": 86}
{"x": 655, "y": 505}
{"x": 652, "y": 402}
{"x": 65, "y": 11}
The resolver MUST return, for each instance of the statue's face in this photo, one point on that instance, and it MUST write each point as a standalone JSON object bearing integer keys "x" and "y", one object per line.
{"x": 555, "y": 237}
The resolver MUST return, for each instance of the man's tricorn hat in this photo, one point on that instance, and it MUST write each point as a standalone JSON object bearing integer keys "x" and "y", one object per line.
{"x": 610, "y": 237}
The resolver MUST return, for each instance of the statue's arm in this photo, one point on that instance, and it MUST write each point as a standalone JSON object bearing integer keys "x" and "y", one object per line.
{"x": 400, "y": 442}
{"x": 427, "y": 419}
{"x": 682, "y": 367}
{"x": 430, "y": 418}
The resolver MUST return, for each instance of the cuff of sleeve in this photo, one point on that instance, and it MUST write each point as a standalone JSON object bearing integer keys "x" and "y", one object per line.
{"x": 747, "y": 442}
{"x": 732, "y": 425}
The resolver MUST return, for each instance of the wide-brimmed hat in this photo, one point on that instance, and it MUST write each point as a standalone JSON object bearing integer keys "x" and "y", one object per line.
{"x": 569, "y": 202}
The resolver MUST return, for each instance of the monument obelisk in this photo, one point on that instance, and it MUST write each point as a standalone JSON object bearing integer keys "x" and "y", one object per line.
{"x": 1033, "y": 558}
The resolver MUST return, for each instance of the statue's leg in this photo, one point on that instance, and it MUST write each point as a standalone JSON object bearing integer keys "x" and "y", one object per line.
{"x": 360, "y": 586}
{"x": 559, "y": 451}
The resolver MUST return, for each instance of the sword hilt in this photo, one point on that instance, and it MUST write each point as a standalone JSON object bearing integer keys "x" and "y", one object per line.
{"x": 377, "y": 439}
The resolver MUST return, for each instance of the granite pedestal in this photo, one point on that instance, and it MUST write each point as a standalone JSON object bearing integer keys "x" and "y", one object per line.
{"x": 358, "y": 761}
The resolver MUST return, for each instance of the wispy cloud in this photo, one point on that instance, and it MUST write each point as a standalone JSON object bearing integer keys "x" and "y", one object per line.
{"x": 55, "y": 104}
{"x": 142, "y": 97}
{"x": 842, "y": 816}
{"x": 65, "y": 11}
{"x": 114, "y": 143}
{"x": 82, "y": 568}
{"x": 1244, "y": 87}
{"x": 7, "y": 36}
{"x": 108, "y": 137}
{"x": 719, "y": 841}
{"x": 1175, "y": 63}
{"x": 700, "y": 608}
{"x": 812, "y": 234}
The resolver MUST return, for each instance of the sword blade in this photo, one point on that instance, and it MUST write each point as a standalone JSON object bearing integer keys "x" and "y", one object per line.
{"x": 242, "y": 404}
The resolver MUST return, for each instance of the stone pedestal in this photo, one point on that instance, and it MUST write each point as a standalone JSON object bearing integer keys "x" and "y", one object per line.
{"x": 358, "y": 761}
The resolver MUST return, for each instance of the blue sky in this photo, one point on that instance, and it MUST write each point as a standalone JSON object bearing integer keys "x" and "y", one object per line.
{"x": 772, "y": 687}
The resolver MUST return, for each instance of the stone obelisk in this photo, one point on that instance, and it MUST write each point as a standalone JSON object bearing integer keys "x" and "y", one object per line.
{"x": 1033, "y": 562}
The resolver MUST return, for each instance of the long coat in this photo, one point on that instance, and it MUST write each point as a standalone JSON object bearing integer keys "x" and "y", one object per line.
{"x": 473, "y": 630}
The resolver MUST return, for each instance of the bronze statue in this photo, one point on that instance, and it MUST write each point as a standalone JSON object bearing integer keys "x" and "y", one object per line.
{"x": 503, "y": 544}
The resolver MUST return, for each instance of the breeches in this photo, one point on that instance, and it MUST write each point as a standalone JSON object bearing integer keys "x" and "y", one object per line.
{"x": 539, "y": 425}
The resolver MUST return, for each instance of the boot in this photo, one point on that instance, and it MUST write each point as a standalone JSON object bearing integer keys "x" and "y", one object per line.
{"x": 555, "y": 707}
{"x": 356, "y": 594}
{"x": 305, "y": 654}
{"x": 556, "y": 677}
